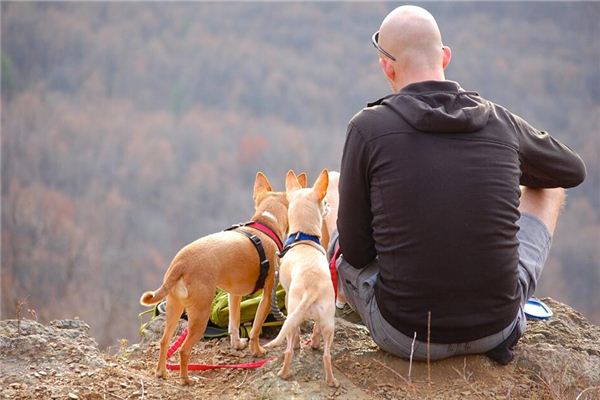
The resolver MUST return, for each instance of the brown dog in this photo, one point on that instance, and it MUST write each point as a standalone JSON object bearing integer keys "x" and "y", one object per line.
{"x": 304, "y": 274}
{"x": 227, "y": 260}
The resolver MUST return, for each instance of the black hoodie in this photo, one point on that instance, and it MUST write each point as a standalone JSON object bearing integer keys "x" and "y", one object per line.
{"x": 430, "y": 184}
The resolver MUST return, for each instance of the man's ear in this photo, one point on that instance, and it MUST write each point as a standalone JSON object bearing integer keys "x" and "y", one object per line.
{"x": 388, "y": 68}
{"x": 261, "y": 185}
{"x": 303, "y": 179}
{"x": 291, "y": 182}
{"x": 320, "y": 186}
{"x": 447, "y": 56}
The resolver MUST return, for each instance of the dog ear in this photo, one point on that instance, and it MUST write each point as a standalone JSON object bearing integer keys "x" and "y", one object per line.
{"x": 261, "y": 185}
{"x": 291, "y": 182}
{"x": 303, "y": 179}
{"x": 320, "y": 186}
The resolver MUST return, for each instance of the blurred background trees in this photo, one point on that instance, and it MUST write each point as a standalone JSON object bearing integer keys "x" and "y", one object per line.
{"x": 131, "y": 129}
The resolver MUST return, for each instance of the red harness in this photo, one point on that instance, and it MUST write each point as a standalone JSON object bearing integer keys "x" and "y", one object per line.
{"x": 267, "y": 231}
{"x": 262, "y": 257}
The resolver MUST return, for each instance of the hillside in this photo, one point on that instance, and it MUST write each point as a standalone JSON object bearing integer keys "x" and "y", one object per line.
{"x": 130, "y": 129}
{"x": 556, "y": 359}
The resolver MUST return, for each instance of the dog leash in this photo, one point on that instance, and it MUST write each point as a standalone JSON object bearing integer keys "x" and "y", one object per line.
{"x": 333, "y": 269}
{"x": 203, "y": 367}
{"x": 279, "y": 316}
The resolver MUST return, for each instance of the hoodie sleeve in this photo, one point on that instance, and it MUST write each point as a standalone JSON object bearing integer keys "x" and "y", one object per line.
{"x": 546, "y": 162}
{"x": 354, "y": 214}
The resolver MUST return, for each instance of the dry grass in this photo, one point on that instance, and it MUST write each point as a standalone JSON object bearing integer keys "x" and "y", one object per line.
{"x": 464, "y": 374}
{"x": 429, "y": 348}
{"x": 19, "y": 304}
{"x": 412, "y": 351}
{"x": 591, "y": 389}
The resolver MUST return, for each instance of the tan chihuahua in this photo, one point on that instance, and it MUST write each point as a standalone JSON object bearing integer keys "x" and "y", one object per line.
{"x": 304, "y": 274}
{"x": 227, "y": 260}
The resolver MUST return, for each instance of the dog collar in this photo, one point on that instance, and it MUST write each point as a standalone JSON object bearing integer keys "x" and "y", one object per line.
{"x": 295, "y": 238}
{"x": 299, "y": 236}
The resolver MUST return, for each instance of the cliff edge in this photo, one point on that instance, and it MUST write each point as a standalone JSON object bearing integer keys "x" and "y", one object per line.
{"x": 556, "y": 359}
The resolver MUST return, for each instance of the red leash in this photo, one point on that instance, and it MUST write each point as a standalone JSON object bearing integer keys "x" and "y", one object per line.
{"x": 204, "y": 367}
{"x": 333, "y": 269}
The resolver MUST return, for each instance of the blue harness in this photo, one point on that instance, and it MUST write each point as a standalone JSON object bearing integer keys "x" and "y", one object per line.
{"x": 289, "y": 243}
{"x": 297, "y": 237}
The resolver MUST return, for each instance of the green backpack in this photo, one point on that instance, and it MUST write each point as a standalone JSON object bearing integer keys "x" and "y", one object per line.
{"x": 219, "y": 315}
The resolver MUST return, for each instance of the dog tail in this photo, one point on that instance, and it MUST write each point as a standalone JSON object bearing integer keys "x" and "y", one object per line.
{"x": 293, "y": 320}
{"x": 150, "y": 298}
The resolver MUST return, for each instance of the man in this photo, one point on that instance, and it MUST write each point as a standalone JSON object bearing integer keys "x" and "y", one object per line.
{"x": 432, "y": 221}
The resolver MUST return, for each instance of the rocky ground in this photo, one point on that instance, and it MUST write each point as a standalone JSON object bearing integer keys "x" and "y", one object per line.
{"x": 556, "y": 359}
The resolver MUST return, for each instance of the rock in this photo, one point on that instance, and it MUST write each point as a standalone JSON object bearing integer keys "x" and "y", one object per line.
{"x": 571, "y": 346}
{"x": 30, "y": 340}
{"x": 60, "y": 360}
{"x": 561, "y": 352}
{"x": 70, "y": 324}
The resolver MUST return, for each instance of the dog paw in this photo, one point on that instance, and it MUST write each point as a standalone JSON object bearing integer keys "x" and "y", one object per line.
{"x": 333, "y": 382}
{"x": 239, "y": 344}
{"x": 185, "y": 381}
{"x": 284, "y": 374}
{"x": 257, "y": 350}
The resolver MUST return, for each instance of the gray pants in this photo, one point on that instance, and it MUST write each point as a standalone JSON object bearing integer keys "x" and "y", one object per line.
{"x": 359, "y": 284}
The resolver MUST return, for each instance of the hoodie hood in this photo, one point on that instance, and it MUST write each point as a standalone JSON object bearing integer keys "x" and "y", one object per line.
{"x": 439, "y": 107}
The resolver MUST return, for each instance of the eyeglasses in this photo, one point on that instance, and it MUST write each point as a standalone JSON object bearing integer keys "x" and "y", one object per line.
{"x": 375, "y": 40}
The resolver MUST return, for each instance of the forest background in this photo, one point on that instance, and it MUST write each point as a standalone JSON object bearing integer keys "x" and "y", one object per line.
{"x": 131, "y": 129}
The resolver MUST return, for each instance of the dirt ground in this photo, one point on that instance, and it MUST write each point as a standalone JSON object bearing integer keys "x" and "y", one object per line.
{"x": 556, "y": 359}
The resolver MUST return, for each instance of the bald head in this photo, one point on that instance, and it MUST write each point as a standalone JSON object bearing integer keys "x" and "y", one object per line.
{"x": 412, "y": 36}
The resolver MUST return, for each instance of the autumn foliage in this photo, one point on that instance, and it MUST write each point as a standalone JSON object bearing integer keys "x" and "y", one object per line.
{"x": 131, "y": 129}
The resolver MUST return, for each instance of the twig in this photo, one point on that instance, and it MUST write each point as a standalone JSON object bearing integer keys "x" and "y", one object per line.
{"x": 392, "y": 370}
{"x": 549, "y": 386}
{"x": 429, "y": 347}
{"x": 243, "y": 380}
{"x": 585, "y": 390}
{"x": 33, "y": 314}
{"x": 464, "y": 374}
{"x": 509, "y": 394}
{"x": 555, "y": 388}
{"x": 142, "y": 382}
{"x": 19, "y": 303}
{"x": 412, "y": 350}
{"x": 117, "y": 396}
